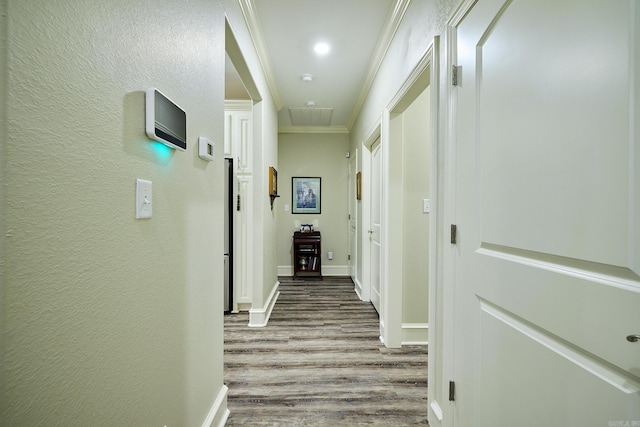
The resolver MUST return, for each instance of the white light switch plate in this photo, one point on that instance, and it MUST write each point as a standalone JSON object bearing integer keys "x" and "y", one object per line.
{"x": 426, "y": 205}
{"x": 143, "y": 199}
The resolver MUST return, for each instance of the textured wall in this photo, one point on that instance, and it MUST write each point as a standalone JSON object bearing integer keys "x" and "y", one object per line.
{"x": 108, "y": 320}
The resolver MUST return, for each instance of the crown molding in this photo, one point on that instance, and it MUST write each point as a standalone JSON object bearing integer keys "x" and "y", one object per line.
{"x": 313, "y": 129}
{"x": 238, "y": 105}
{"x": 257, "y": 37}
{"x": 384, "y": 41}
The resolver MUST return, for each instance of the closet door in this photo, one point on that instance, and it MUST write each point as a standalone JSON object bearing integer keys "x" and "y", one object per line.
{"x": 547, "y": 208}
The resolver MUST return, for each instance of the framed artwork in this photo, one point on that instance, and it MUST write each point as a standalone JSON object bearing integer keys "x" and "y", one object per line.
{"x": 273, "y": 181}
{"x": 359, "y": 186}
{"x": 305, "y": 195}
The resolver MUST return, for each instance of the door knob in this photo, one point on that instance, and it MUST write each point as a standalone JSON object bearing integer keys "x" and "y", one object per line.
{"x": 633, "y": 338}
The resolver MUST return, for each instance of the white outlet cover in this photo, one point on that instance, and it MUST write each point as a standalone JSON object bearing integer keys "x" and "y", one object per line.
{"x": 144, "y": 199}
{"x": 206, "y": 149}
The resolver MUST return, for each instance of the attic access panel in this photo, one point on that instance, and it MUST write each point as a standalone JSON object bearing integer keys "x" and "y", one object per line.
{"x": 311, "y": 116}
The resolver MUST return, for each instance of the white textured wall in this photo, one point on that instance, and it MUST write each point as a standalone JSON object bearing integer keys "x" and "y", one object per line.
{"x": 265, "y": 154}
{"x": 108, "y": 320}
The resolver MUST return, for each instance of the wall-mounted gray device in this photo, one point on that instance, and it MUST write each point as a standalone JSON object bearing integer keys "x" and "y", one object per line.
{"x": 165, "y": 121}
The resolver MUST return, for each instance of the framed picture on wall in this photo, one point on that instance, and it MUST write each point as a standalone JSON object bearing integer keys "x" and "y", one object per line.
{"x": 305, "y": 195}
{"x": 273, "y": 181}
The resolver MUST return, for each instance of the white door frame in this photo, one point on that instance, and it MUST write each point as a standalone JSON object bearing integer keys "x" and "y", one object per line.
{"x": 423, "y": 75}
{"x": 364, "y": 223}
{"x": 352, "y": 204}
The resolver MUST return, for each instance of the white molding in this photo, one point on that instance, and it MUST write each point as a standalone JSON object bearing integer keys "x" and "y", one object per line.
{"x": 358, "y": 289}
{"x": 237, "y": 58}
{"x": 327, "y": 270}
{"x": 242, "y": 306}
{"x": 417, "y": 78}
{"x": 219, "y": 412}
{"x": 391, "y": 26}
{"x": 313, "y": 129}
{"x": 258, "y": 318}
{"x": 257, "y": 37}
{"x": 285, "y": 270}
{"x": 435, "y": 231}
{"x": 238, "y": 105}
{"x": 335, "y": 270}
{"x": 415, "y": 334}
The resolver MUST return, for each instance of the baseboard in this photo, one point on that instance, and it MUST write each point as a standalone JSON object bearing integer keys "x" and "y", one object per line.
{"x": 327, "y": 270}
{"x": 437, "y": 411}
{"x": 285, "y": 270}
{"x": 243, "y": 306}
{"x": 258, "y": 318}
{"x": 218, "y": 414}
{"x": 415, "y": 334}
{"x": 335, "y": 270}
{"x": 358, "y": 288}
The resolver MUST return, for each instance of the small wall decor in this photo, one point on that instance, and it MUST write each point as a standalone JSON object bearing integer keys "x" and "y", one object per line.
{"x": 273, "y": 184}
{"x": 305, "y": 195}
{"x": 273, "y": 181}
{"x": 359, "y": 186}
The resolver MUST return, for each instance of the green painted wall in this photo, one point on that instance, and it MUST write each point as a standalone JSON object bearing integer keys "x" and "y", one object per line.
{"x": 416, "y": 169}
{"x": 315, "y": 155}
{"x": 109, "y": 320}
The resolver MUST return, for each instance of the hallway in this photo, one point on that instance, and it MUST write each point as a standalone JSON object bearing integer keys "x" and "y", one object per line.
{"x": 320, "y": 362}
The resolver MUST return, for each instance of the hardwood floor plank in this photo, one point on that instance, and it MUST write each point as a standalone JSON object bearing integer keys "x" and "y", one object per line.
{"x": 320, "y": 362}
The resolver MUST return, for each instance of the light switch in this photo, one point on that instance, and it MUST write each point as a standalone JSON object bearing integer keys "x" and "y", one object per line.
{"x": 426, "y": 205}
{"x": 143, "y": 199}
{"x": 286, "y": 207}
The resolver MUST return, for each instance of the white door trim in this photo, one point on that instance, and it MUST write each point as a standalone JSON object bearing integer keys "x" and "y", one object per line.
{"x": 364, "y": 222}
{"x": 418, "y": 80}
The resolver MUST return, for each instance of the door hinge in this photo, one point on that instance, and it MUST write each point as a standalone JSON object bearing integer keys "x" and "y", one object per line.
{"x": 454, "y": 233}
{"x": 238, "y": 203}
{"x": 454, "y": 75}
{"x": 348, "y": 257}
{"x": 452, "y": 391}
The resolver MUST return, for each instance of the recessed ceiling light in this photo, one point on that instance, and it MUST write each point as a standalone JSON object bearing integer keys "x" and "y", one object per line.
{"x": 307, "y": 78}
{"x": 321, "y": 48}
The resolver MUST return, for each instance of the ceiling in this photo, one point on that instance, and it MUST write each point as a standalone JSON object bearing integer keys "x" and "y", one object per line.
{"x": 285, "y": 32}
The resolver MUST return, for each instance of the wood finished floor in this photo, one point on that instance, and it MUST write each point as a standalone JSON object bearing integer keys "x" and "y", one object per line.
{"x": 319, "y": 362}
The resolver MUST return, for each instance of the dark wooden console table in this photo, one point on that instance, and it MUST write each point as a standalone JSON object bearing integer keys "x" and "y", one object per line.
{"x": 307, "y": 255}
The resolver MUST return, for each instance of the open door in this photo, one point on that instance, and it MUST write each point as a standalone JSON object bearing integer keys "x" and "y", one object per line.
{"x": 376, "y": 220}
{"x": 545, "y": 237}
{"x": 352, "y": 204}
{"x": 228, "y": 234}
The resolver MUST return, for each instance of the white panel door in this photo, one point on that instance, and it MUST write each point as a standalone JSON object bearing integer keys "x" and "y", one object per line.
{"x": 376, "y": 219}
{"x": 352, "y": 219}
{"x": 547, "y": 195}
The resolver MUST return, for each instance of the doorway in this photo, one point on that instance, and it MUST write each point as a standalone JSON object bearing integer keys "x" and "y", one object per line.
{"x": 376, "y": 223}
{"x": 229, "y": 192}
{"x": 407, "y": 219}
